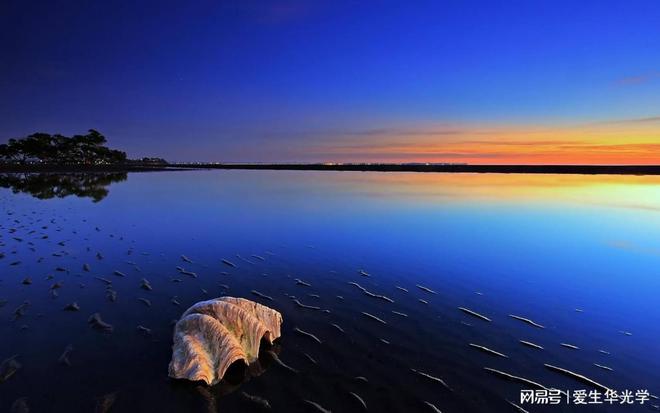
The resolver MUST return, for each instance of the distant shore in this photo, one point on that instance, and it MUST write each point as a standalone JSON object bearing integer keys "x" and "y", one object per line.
{"x": 448, "y": 168}
{"x": 442, "y": 168}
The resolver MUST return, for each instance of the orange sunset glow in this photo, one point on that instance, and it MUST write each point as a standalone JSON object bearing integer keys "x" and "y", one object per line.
{"x": 627, "y": 142}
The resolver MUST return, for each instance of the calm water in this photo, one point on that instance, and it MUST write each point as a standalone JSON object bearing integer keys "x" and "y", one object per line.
{"x": 542, "y": 247}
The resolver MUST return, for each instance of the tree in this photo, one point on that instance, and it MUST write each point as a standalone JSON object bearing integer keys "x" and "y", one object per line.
{"x": 88, "y": 149}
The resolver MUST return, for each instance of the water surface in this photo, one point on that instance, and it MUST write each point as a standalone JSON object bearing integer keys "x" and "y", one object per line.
{"x": 577, "y": 254}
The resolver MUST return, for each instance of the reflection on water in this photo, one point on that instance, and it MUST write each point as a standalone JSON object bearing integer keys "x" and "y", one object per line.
{"x": 613, "y": 190}
{"x": 576, "y": 254}
{"x": 53, "y": 185}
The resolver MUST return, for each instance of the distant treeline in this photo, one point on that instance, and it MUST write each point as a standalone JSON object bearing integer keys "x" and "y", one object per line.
{"x": 47, "y": 149}
{"x": 88, "y": 149}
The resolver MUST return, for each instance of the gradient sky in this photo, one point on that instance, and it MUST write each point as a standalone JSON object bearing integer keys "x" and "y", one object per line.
{"x": 463, "y": 81}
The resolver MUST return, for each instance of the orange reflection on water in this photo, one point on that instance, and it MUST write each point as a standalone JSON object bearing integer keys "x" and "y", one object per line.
{"x": 642, "y": 192}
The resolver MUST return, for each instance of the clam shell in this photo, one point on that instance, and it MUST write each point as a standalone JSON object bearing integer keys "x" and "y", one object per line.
{"x": 213, "y": 334}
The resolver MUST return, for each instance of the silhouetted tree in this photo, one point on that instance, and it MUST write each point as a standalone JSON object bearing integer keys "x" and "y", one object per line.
{"x": 58, "y": 149}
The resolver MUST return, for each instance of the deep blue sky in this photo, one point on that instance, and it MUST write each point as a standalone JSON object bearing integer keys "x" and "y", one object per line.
{"x": 244, "y": 80}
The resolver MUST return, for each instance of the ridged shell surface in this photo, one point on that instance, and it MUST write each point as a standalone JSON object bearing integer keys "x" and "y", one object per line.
{"x": 213, "y": 334}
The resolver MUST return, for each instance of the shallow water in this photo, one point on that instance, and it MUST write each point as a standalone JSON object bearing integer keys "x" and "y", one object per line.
{"x": 540, "y": 247}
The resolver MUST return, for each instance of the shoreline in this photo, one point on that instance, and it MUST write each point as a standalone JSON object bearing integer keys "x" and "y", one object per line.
{"x": 86, "y": 169}
{"x": 506, "y": 169}
{"x": 459, "y": 168}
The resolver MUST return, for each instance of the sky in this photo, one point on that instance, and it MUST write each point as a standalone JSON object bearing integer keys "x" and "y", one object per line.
{"x": 522, "y": 82}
